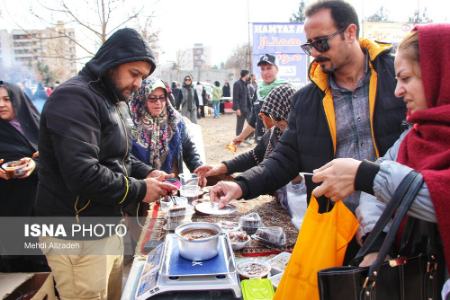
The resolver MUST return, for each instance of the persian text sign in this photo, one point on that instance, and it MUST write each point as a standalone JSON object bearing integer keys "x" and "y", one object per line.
{"x": 282, "y": 40}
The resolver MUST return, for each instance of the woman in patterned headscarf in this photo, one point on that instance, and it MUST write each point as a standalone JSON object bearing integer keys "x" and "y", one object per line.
{"x": 160, "y": 136}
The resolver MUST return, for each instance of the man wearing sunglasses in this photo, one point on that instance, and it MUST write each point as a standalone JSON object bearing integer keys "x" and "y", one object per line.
{"x": 348, "y": 110}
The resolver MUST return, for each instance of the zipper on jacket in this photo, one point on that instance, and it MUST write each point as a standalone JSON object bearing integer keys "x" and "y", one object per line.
{"x": 126, "y": 139}
{"x": 127, "y": 187}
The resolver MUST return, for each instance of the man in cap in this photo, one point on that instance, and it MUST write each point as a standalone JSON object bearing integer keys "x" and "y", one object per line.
{"x": 86, "y": 169}
{"x": 269, "y": 71}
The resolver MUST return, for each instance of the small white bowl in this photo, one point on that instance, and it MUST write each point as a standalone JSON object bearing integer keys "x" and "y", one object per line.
{"x": 245, "y": 269}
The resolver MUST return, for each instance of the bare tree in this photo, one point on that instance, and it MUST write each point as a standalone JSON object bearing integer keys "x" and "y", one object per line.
{"x": 181, "y": 60}
{"x": 381, "y": 15}
{"x": 240, "y": 58}
{"x": 98, "y": 19}
{"x": 299, "y": 16}
{"x": 93, "y": 21}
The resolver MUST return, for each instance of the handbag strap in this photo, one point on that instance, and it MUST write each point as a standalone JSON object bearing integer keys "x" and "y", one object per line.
{"x": 405, "y": 203}
{"x": 386, "y": 216}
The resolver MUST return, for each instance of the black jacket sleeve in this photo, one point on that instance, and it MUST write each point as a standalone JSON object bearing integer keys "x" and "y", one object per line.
{"x": 365, "y": 175}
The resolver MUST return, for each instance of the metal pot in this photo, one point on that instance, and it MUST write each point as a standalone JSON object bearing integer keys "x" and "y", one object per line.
{"x": 198, "y": 249}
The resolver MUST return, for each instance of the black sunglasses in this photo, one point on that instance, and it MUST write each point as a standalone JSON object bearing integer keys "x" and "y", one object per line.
{"x": 321, "y": 44}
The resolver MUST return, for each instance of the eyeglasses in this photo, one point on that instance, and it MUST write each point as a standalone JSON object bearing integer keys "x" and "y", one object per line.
{"x": 187, "y": 79}
{"x": 321, "y": 44}
{"x": 154, "y": 99}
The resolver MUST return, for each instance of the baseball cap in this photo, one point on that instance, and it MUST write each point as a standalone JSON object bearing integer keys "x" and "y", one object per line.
{"x": 267, "y": 59}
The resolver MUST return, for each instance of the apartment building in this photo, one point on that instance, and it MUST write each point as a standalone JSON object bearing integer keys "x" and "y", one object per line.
{"x": 53, "y": 47}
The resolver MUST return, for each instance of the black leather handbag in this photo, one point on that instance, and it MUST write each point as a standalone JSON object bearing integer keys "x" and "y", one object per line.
{"x": 409, "y": 277}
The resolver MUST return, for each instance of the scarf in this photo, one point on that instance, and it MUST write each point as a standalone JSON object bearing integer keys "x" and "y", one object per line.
{"x": 426, "y": 148}
{"x": 277, "y": 106}
{"x": 160, "y": 136}
{"x": 265, "y": 88}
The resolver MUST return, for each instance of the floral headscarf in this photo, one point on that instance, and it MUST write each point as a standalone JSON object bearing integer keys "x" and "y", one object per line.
{"x": 156, "y": 140}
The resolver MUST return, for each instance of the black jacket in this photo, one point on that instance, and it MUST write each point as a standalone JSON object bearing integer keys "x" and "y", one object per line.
{"x": 86, "y": 166}
{"x": 241, "y": 98}
{"x": 310, "y": 140}
{"x": 18, "y": 195}
{"x": 226, "y": 90}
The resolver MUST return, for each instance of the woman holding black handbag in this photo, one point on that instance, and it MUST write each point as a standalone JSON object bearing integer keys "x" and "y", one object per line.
{"x": 422, "y": 67}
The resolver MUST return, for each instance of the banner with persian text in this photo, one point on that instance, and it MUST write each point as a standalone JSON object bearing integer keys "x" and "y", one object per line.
{"x": 282, "y": 40}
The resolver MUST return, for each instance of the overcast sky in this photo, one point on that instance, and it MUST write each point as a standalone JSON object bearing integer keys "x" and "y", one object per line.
{"x": 221, "y": 25}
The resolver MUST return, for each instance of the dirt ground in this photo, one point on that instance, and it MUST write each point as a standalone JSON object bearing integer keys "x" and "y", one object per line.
{"x": 217, "y": 133}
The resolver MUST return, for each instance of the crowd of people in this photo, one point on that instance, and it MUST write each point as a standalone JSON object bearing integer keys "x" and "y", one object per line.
{"x": 108, "y": 139}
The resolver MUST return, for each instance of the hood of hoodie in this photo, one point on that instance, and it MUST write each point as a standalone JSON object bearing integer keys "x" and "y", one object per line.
{"x": 124, "y": 46}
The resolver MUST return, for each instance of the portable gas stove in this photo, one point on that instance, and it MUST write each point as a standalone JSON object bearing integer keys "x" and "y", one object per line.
{"x": 166, "y": 271}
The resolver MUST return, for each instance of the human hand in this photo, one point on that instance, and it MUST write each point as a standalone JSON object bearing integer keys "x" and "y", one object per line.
{"x": 3, "y": 174}
{"x": 337, "y": 178}
{"x": 207, "y": 170}
{"x": 203, "y": 170}
{"x": 238, "y": 113}
{"x": 160, "y": 174}
{"x": 225, "y": 191}
{"x": 237, "y": 140}
{"x": 156, "y": 188}
{"x": 202, "y": 181}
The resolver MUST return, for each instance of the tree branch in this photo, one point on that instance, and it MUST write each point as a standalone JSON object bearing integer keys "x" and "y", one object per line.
{"x": 69, "y": 12}
{"x": 124, "y": 22}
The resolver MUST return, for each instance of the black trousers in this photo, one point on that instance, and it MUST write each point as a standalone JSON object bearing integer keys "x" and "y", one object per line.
{"x": 240, "y": 120}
